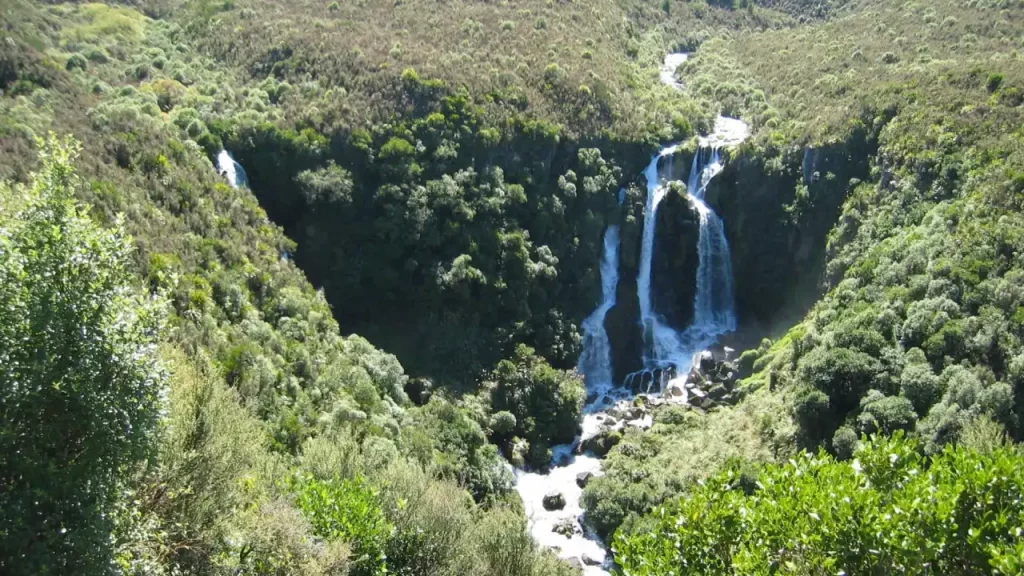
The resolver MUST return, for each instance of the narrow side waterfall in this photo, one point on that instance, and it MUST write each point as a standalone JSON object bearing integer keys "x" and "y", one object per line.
{"x": 595, "y": 362}
{"x": 563, "y": 529}
{"x": 714, "y": 307}
{"x": 231, "y": 170}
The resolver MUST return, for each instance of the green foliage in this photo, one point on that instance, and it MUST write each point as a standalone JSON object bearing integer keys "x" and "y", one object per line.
{"x": 547, "y": 404}
{"x": 348, "y": 510}
{"x": 843, "y": 375}
{"x": 890, "y": 509}
{"x": 81, "y": 385}
{"x": 451, "y": 441}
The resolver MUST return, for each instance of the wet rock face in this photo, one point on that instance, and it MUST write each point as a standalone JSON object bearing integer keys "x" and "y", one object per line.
{"x": 779, "y": 254}
{"x": 674, "y": 267}
{"x": 621, "y": 324}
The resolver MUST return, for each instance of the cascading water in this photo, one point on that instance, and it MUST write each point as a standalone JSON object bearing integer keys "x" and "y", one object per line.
{"x": 714, "y": 304}
{"x": 595, "y": 365}
{"x": 661, "y": 342}
{"x": 231, "y": 170}
{"x": 595, "y": 362}
{"x": 666, "y": 351}
{"x": 669, "y": 354}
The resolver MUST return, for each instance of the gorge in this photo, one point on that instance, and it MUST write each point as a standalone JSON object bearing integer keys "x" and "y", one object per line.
{"x": 551, "y": 496}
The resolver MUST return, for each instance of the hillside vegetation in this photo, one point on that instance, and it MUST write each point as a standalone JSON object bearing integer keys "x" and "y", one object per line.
{"x": 328, "y": 373}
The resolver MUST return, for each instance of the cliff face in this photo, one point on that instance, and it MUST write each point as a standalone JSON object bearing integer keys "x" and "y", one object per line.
{"x": 778, "y": 212}
{"x": 674, "y": 268}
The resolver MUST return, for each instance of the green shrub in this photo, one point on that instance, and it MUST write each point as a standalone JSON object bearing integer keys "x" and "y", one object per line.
{"x": 503, "y": 423}
{"x": 995, "y": 80}
{"x": 886, "y": 414}
{"x": 844, "y": 443}
{"x": 890, "y": 510}
{"x": 843, "y": 374}
{"x": 921, "y": 386}
{"x": 81, "y": 386}
{"x": 349, "y": 511}
{"x": 547, "y": 403}
{"x": 77, "y": 62}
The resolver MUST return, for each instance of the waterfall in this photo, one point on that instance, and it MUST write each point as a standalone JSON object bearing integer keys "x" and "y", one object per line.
{"x": 667, "y": 353}
{"x": 665, "y": 349}
{"x": 714, "y": 311}
{"x": 661, "y": 343}
{"x": 231, "y": 170}
{"x": 595, "y": 361}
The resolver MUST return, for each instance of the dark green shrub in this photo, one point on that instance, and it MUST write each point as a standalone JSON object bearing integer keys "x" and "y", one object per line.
{"x": 886, "y": 414}
{"x": 921, "y": 386}
{"x": 843, "y": 374}
{"x": 812, "y": 412}
{"x": 77, "y": 62}
{"x": 546, "y": 403}
{"x": 995, "y": 80}
{"x": 844, "y": 443}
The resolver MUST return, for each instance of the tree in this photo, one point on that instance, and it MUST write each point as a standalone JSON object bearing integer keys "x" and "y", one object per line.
{"x": 80, "y": 385}
{"x": 547, "y": 403}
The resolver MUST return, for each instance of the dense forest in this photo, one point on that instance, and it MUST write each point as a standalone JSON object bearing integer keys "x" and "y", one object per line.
{"x": 360, "y": 357}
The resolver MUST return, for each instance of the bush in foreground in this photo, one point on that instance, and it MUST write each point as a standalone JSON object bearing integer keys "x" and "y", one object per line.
{"x": 889, "y": 510}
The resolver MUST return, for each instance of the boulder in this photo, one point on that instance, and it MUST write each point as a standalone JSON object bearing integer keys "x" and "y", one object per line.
{"x": 610, "y": 422}
{"x": 567, "y": 527}
{"x": 601, "y": 443}
{"x": 718, "y": 391}
{"x": 707, "y": 362}
{"x": 553, "y": 501}
{"x": 591, "y": 398}
{"x": 575, "y": 563}
{"x": 583, "y": 478}
{"x": 590, "y": 560}
{"x": 676, "y": 391}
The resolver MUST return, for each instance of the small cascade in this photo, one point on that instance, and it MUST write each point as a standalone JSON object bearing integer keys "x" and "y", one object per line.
{"x": 231, "y": 170}
{"x": 595, "y": 361}
{"x": 667, "y": 72}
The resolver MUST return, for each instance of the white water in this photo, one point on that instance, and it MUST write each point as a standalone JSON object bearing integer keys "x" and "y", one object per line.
{"x": 667, "y": 72}
{"x": 595, "y": 361}
{"x": 728, "y": 132}
{"x": 713, "y": 315}
{"x": 231, "y": 170}
{"x": 661, "y": 342}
